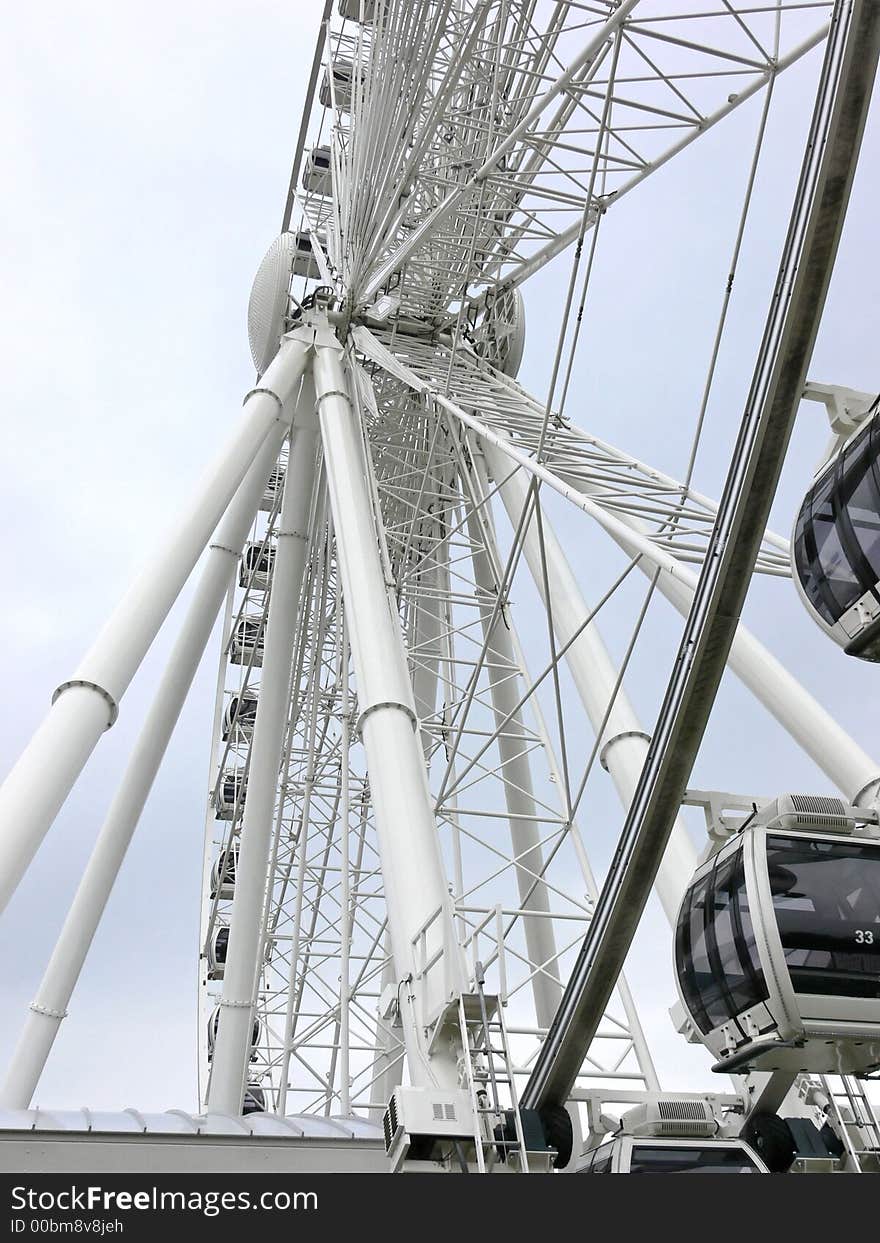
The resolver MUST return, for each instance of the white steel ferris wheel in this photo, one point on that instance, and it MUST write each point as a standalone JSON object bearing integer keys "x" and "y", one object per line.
{"x": 398, "y": 899}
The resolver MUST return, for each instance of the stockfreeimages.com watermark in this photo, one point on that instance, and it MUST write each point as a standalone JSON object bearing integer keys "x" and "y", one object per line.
{"x": 97, "y": 1199}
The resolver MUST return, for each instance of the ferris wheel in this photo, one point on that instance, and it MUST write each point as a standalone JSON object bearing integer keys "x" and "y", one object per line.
{"x": 401, "y": 924}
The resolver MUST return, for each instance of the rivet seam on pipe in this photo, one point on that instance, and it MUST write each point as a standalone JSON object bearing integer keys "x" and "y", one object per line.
{"x": 92, "y": 686}
{"x": 236, "y": 1005}
{"x": 291, "y": 535}
{"x": 223, "y": 548}
{"x": 332, "y": 392}
{"x": 869, "y": 785}
{"x": 48, "y": 1011}
{"x": 390, "y": 703}
{"x": 626, "y": 733}
{"x": 253, "y": 392}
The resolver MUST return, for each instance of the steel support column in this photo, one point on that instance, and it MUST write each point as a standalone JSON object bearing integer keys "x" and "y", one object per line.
{"x": 414, "y": 879}
{"x": 88, "y": 703}
{"x": 53, "y": 996}
{"x": 232, "y": 1044}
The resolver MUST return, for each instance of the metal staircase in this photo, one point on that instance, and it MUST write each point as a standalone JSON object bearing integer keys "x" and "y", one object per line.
{"x": 489, "y": 1074}
{"x": 858, "y": 1124}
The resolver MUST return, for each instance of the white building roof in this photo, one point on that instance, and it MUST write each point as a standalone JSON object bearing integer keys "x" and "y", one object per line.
{"x": 179, "y": 1122}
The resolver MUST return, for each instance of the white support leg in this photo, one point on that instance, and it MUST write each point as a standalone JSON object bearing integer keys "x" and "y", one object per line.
{"x": 345, "y": 912}
{"x": 412, "y": 868}
{"x": 506, "y": 691}
{"x": 88, "y": 703}
{"x": 389, "y": 1063}
{"x": 232, "y": 1045}
{"x": 87, "y": 908}
{"x": 624, "y": 741}
{"x": 425, "y": 643}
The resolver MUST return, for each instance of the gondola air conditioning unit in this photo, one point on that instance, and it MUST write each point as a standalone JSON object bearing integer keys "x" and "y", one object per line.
{"x": 807, "y": 812}
{"x": 693, "y": 1119}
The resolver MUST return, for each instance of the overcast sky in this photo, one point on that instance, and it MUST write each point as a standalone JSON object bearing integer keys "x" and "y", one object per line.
{"x": 147, "y": 151}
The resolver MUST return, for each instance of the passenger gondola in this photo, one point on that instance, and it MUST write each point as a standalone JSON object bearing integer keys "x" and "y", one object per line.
{"x": 357, "y": 10}
{"x": 274, "y": 487}
{"x": 256, "y": 566}
{"x": 223, "y": 873}
{"x": 247, "y": 647}
{"x": 231, "y": 794}
{"x": 625, "y": 1155}
{"x": 254, "y": 1100}
{"x": 316, "y": 177}
{"x": 340, "y": 73}
{"x": 214, "y": 1023}
{"x": 304, "y": 262}
{"x": 239, "y": 716}
{"x": 777, "y": 945}
{"x": 835, "y": 549}
{"x": 217, "y": 953}
{"x": 671, "y": 1135}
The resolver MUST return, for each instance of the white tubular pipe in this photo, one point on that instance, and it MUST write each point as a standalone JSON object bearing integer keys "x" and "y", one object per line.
{"x": 424, "y": 645}
{"x": 624, "y": 742}
{"x": 506, "y": 691}
{"x": 53, "y": 996}
{"x": 345, "y": 914}
{"x": 232, "y": 1045}
{"x": 831, "y": 748}
{"x": 414, "y": 879}
{"x": 85, "y": 706}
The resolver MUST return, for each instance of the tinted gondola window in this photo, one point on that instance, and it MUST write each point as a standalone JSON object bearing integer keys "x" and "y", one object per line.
{"x": 599, "y": 1160}
{"x": 860, "y": 501}
{"x": 737, "y": 952}
{"x": 826, "y": 899}
{"x": 837, "y": 535}
{"x": 715, "y": 1160}
{"x": 826, "y": 574}
{"x": 716, "y": 956}
{"x": 692, "y": 959}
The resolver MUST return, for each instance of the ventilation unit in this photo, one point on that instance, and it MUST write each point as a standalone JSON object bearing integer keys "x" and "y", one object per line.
{"x": 676, "y": 1116}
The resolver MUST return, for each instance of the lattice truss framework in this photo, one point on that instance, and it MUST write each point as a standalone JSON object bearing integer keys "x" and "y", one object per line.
{"x": 435, "y": 525}
{"x": 470, "y": 143}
